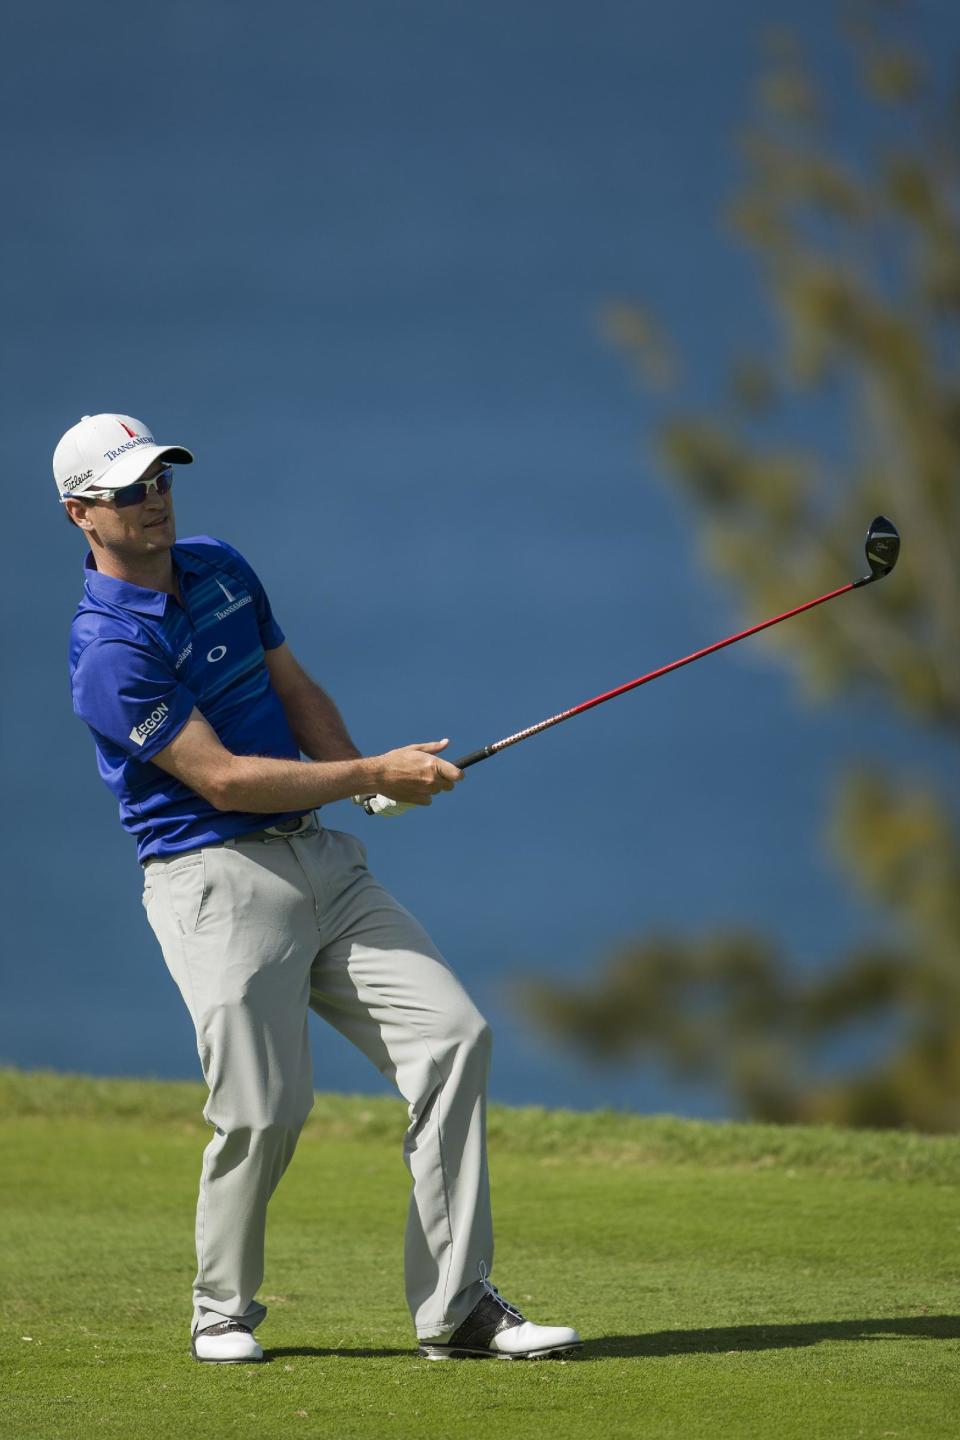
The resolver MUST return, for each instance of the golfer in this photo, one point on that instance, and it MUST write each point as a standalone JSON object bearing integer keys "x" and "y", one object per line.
{"x": 201, "y": 715}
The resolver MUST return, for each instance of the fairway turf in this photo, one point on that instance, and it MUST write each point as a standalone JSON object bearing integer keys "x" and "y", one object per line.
{"x": 729, "y": 1280}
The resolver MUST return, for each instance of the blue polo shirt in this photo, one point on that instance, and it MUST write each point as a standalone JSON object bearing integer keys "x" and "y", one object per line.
{"x": 139, "y": 664}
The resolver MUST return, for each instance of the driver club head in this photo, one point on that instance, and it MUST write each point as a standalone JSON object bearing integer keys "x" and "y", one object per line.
{"x": 883, "y": 546}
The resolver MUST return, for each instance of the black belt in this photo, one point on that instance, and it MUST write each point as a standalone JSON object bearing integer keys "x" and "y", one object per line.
{"x": 307, "y": 824}
{"x": 299, "y": 825}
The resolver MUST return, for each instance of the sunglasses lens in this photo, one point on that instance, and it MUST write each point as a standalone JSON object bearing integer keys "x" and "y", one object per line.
{"x": 136, "y": 493}
{"x": 130, "y": 495}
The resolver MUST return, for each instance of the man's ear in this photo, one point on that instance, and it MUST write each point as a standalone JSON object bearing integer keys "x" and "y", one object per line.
{"x": 77, "y": 514}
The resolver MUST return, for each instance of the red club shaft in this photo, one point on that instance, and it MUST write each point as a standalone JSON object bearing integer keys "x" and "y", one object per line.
{"x": 476, "y": 755}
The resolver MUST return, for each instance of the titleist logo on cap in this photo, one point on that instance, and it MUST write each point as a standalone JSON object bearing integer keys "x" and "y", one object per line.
{"x": 75, "y": 480}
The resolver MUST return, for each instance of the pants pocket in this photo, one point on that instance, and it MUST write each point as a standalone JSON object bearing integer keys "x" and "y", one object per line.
{"x": 186, "y": 885}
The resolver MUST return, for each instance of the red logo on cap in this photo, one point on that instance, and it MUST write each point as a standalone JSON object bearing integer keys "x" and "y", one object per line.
{"x": 130, "y": 432}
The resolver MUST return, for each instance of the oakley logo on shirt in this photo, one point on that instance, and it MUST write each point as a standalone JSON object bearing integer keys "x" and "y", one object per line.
{"x": 145, "y": 729}
{"x": 217, "y": 653}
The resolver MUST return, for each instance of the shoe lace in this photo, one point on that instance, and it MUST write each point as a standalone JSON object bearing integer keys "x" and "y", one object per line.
{"x": 492, "y": 1290}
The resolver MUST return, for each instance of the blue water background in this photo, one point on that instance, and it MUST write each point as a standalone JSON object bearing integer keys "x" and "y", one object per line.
{"x": 356, "y": 256}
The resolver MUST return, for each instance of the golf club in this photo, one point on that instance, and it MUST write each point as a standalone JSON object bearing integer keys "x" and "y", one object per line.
{"x": 882, "y": 550}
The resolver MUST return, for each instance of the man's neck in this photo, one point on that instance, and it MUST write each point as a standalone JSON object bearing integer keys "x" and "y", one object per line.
{"x": 150, "y": 572}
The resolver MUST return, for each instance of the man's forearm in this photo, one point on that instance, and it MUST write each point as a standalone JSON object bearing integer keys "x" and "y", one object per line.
{"x": 411, "y": 774}
{"x": 262, "y": 786}
{"x": 317, "y": 724}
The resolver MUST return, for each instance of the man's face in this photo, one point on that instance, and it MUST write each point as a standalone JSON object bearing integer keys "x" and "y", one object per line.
{"x": 130, "y": 530}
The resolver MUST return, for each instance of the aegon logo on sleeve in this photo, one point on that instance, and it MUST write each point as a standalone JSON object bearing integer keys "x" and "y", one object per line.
{"x": 154, "y": 720}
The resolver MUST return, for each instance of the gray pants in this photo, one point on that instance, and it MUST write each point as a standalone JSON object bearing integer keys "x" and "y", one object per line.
{"x": 256, "y": 932}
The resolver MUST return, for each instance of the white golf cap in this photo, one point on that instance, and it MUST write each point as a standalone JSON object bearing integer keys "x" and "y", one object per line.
{"x": 107, "y": 452}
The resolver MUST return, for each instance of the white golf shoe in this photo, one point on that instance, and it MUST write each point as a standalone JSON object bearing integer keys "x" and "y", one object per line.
{"x": 496, "y": 1328}
{"x": 229, "y": 1343}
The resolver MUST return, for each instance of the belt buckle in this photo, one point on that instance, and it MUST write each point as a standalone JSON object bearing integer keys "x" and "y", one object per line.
{"x": 286, "y": 828}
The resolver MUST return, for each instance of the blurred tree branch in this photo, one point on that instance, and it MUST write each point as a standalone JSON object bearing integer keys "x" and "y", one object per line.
{"x": 860, "y": 261}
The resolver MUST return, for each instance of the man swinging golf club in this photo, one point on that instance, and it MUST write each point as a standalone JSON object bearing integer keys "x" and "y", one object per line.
{"x": 200, "y": 715}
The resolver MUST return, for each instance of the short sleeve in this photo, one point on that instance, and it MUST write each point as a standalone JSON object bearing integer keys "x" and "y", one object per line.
{"x": 131, "y": 696}
{"x": 271, "y": 634}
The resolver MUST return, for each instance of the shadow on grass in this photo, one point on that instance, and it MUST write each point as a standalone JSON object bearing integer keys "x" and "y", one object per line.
{"x": 281, "y": 1352}
{"x": 723, "y": 1340}
{"x": 735, "y": 1338}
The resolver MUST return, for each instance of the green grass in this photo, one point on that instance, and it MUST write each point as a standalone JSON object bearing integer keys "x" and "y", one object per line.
{"x": 730, "y": 1280}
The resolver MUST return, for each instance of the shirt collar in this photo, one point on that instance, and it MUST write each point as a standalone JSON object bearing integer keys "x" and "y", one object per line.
{"x": 135, "y": 597}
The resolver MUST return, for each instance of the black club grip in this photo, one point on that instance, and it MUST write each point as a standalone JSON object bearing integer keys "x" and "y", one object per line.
{"x": 474, "y": 757}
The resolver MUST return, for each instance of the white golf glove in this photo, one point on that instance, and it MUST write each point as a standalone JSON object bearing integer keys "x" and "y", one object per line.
{"x": 382, "y": 805}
